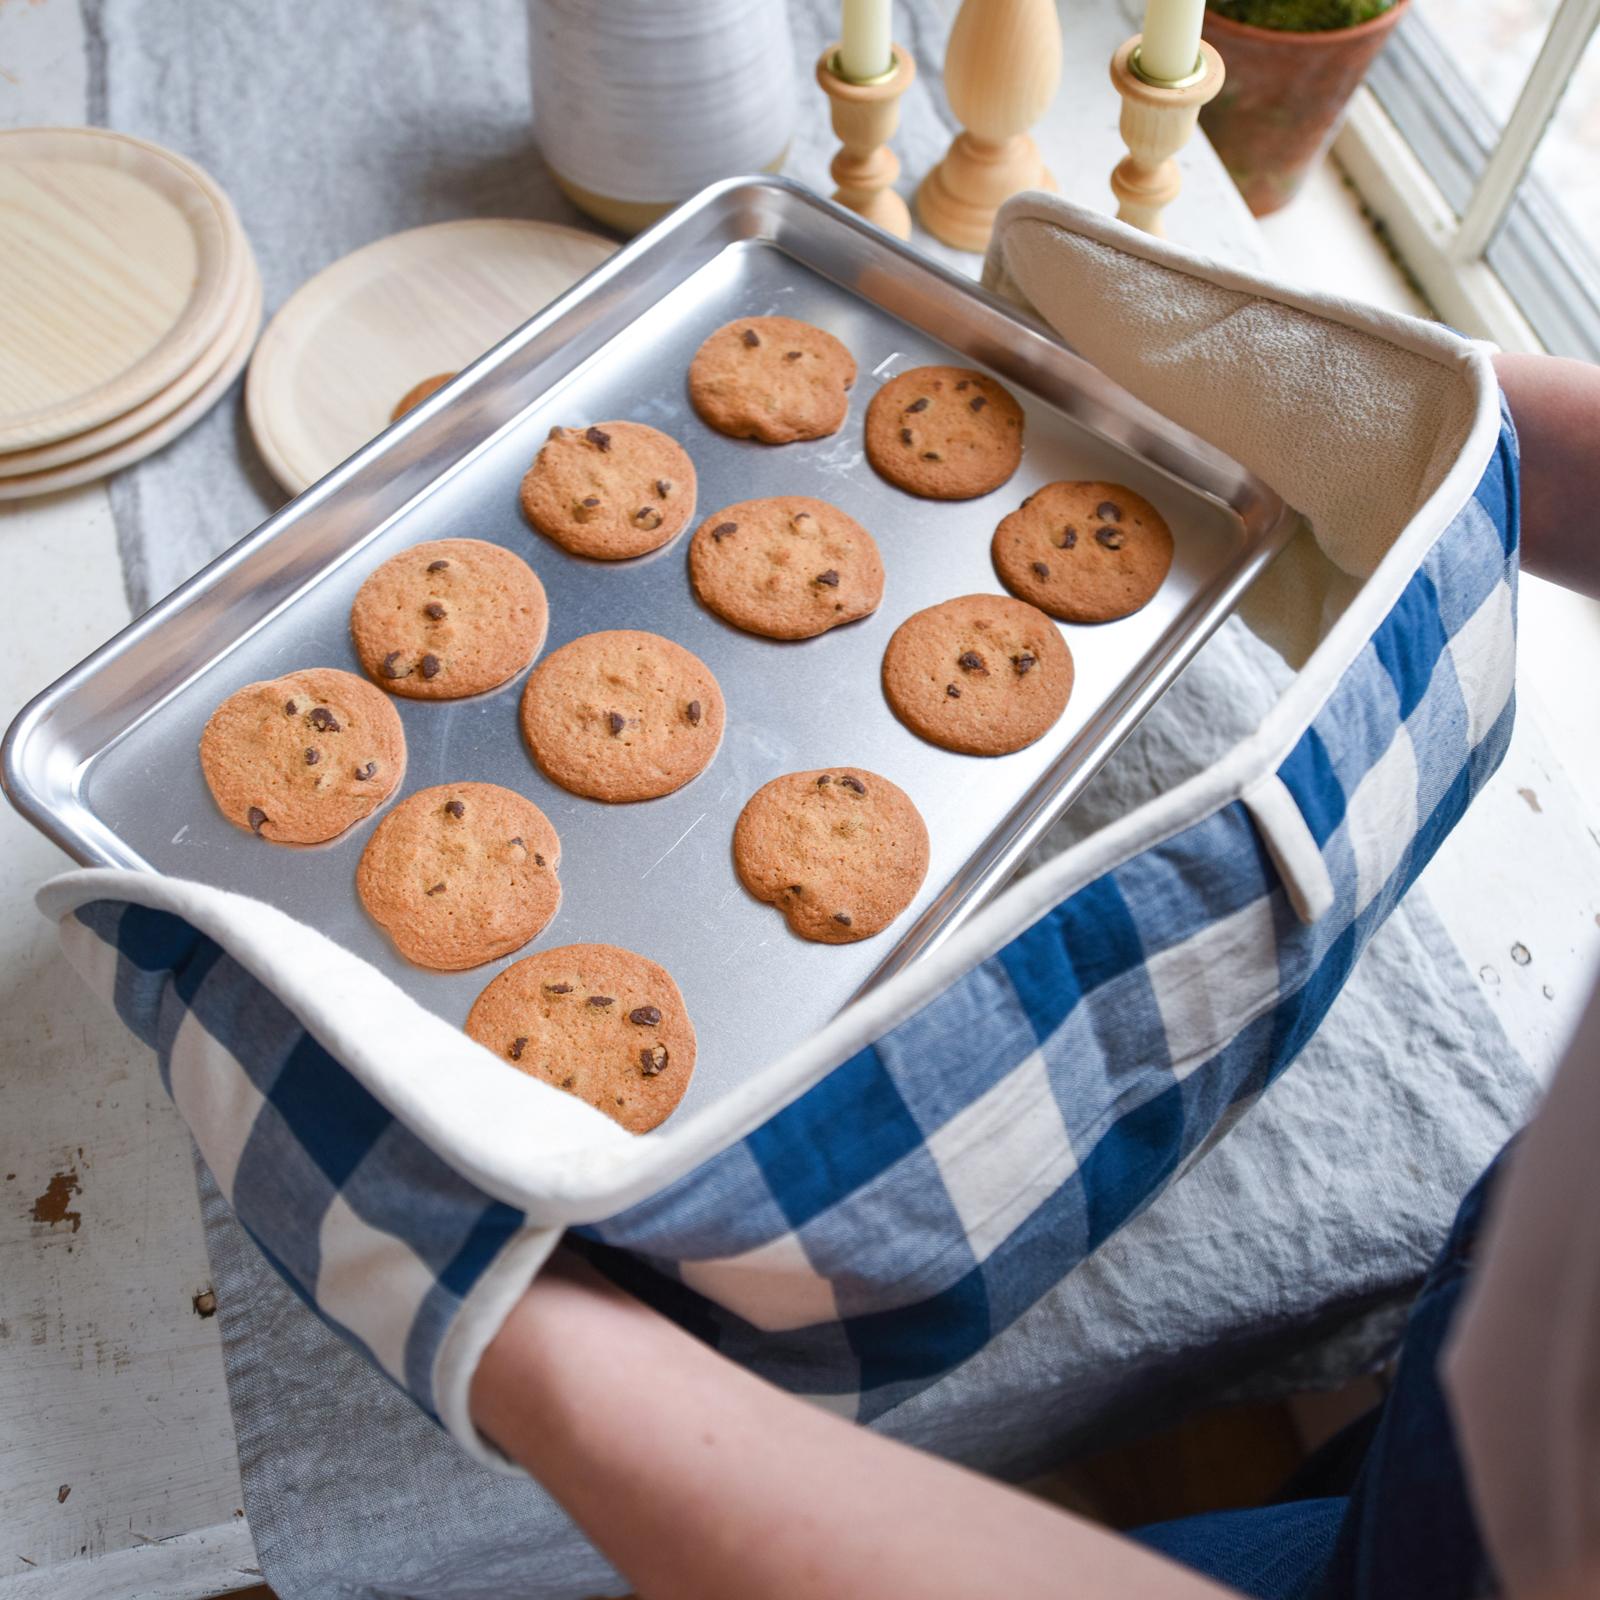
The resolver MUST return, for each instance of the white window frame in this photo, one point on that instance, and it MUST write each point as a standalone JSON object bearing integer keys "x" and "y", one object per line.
{"x": 1487, "y": 246}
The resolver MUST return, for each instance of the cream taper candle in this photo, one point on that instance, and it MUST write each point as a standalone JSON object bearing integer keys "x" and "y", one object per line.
{"x": 1171, "y": 47}
{"x": 864, "y": 50}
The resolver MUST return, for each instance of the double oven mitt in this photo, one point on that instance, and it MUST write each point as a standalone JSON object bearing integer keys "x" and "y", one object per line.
{"x": 858, "y": 1217}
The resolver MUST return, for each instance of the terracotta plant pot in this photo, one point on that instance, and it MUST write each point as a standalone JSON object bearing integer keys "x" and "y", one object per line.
{"x": 1284, "y": 99}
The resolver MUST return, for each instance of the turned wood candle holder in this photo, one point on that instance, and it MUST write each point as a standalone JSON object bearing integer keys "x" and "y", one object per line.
{"x": 1157, "y": 122}
{"x": 1001, "y": 70}
{"x": 865, "y": 116}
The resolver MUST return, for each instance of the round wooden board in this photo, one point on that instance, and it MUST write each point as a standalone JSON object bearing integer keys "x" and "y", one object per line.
{"x": 161, "y": 433}
{"x": 121, "y": 262}
{"x": 351, "y": 341}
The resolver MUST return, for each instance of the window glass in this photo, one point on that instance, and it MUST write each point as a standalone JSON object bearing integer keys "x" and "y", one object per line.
{"x": 1567, "y": 163}
{"x": 1492, "y": 44}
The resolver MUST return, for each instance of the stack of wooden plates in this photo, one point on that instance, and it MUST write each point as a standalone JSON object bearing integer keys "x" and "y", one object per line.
{"x": 131, "y": 302}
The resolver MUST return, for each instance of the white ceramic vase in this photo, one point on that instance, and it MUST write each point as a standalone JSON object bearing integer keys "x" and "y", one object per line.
{"x": 639, "y": 103}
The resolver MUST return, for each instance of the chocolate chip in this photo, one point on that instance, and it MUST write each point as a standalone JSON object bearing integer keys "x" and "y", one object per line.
{"x": 363, "y": 773}
{"x": 538, "y": 860}
{"x": 644, "y": 1016}
{"x": 430, "y": 666}
{"x": 932, "y": 455}
{"x": 794, "y": 888}
{"x": 751, "y": 338}
{"x": 652, "y": 1059}
{"x": 966, "y": 383}
{"x": 970, "y": 661}
{"x": 255, "y": 816}
{"x": 723, "y": 529}
{"x": 905, "y": 436}
{"x": 558, "y": 988}
{"x": 392, "y": 667}
{"x": 518, "y": 1045}
{"x": 1067, "y": 537}
{"x": 437, "y": 566}
{"x": 455, "y": 808}
{"x": 853, "y": 783}
{"x": 517, "y": 842}
{"x": 1111, "y": 538}
{"x": 313, "y": 755}
{"x": 647, "y": 517}
{"x": 977, "y": 402}
{"x": 1108, "y": 511}
{"x": 952, "y": 691}
{"x": 323, "y": 720}
{"x": 692, "y": 712}
{"x": 616, "y": 722}
{"x": 843, "y": 918}
{"x": 828, "y": 579}
{"x": 663, "y": 487}
{"x": 434, "y": 610}
{"x": 438, "y": 888}
{"x": 791, "y": 355}
{"x": 568, "y": 1081}
{"x": 598, "y": 437}
{"x": 590, "y": 500}
{"x": 1041, "y": 570}
{"x": 602, "y": 1000}
{"x": 1024, "y": 663}
{"x": 824, "y": 781}
{"x": 918, "y": 405}
{"x": 798, "y": 517}
{"x": 289, "y": 708}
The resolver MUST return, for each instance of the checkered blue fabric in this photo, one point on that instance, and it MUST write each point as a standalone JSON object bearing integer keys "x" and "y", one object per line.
{"x": 914, "y": 1202}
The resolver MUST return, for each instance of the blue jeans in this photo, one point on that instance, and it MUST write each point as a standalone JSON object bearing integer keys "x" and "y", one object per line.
{"x": 1403, "y": 1526}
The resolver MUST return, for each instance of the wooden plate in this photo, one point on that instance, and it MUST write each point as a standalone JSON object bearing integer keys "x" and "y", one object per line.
{"x": 120, "y": 265}
{"x": 351, "y": 341}
{"x": 79, "y": 446}
{"x": 161, "y": 433}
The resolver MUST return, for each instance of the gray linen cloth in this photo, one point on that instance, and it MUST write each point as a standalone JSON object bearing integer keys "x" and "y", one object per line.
{"x": 1284, "y": 1256}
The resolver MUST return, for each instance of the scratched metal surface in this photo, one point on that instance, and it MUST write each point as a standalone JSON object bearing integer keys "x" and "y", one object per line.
{"x": 106, "y": 760}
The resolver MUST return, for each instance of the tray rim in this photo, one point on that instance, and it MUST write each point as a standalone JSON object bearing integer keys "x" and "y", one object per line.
{"x": 62, "y": 817}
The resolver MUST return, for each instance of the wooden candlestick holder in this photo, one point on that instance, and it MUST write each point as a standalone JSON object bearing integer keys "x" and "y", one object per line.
{"x": 1001, "y": 70}
{"x": 865, "y": 116}
{"x": 1157, "y": 122}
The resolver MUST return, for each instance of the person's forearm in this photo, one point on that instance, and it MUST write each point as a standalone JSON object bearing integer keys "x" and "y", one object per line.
{"x": 701, "y": 1481}
{"x": 1555, "y": 404}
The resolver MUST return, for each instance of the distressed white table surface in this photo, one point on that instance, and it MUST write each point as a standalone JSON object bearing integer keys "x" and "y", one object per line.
{"x": 117, "y": 1466}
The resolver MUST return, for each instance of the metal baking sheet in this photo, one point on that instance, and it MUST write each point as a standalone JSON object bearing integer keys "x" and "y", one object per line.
{"x": 105, "y": 761}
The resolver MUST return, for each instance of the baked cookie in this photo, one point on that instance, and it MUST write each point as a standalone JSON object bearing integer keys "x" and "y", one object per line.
{"x": 461, "y": 874}
{"x": 787, "y": 568}
{"x": 601, "y": 1023}
{"x": 298, "y": 759}
{"x": 1084, "y": 552}
{"x": 611, "y": 491}
{"x": 418, "y": 392}
{"x": 772, "y": 379}
{"x": 840, "y": 852}
{"x": 622, "y": 715}
{"x": 946, "y": 433}
{"x": 984, "y": 674}
{"x": 448, "y": 618}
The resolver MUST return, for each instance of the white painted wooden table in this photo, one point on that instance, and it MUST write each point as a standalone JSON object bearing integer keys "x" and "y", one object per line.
{"x": 117, "y": 1467}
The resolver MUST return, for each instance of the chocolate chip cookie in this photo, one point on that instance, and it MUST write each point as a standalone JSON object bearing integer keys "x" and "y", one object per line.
{"x": 611, "y": 491}
{"x": 448, "y": 618}
{"x": 622, "y": 715}
{"x": 602, "y": 1023}
{"x": 418, "y": 392}
{"x": 787, "y": 568}
{"x": 772, "y": 378}
{"x": 461, "y": 874}
{"x": 984, "y": 674}
{"x": 298, "y": 759}
{"x": 841, "y": 852}
{"x": 1084, "y": 552}
{"x": 946, "y": 433}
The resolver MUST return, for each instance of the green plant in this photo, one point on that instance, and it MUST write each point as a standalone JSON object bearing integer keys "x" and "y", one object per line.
{"x": 1301, "y": 16}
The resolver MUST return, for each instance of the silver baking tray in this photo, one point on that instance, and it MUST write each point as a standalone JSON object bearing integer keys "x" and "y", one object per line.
{"x": 104, "y": 762}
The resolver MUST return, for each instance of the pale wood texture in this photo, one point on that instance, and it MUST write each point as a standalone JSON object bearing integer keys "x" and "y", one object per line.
{"x": 1157, "y": 122}
{"x": 1001, "y": 70}
{"x": 121, "y": 262}
{"x": 865, "y": 116}
{"x": 350, "y": 342}
{"x": 213, "y": 384}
